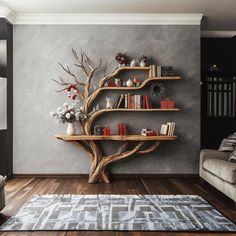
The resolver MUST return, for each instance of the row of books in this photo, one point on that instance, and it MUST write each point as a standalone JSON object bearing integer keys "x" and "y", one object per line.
{"x": 133, "y": 102}
{"x": 168, "y": 129}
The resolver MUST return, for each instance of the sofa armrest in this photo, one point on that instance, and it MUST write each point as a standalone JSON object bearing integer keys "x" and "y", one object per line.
{"x": 210, "y": 153}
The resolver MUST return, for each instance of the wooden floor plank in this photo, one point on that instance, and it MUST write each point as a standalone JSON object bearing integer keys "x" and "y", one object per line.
{"x": 20, "y": 190}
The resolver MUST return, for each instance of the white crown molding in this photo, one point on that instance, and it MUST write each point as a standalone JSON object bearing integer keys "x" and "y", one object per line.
{"x": 104, "y": 19}
{"x": 6, "y": 12}
{"x": 217, "y": 34}
{"x": 99, "y": 19}
{"x": 110, "y": 19}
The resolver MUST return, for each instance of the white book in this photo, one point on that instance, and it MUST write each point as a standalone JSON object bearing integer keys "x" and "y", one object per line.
{"x": 126, "y": 101}
{"x": 139, "y": 101}
{"x": 164, "y": 129}
{"x": 168, "y": 128}
{"x": 171, "y": 128}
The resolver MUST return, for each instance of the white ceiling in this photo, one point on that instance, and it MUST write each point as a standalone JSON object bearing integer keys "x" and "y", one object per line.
{"x": 219, "y": 15}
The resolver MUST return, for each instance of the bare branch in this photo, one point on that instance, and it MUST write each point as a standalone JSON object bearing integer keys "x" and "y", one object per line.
{"x": 61, "y": 90}
{"x": 80, "y": 61}
{"x": 105, "y": 69}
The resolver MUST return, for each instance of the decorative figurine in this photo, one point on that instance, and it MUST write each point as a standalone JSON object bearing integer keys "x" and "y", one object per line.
{"x": 137, "y": 82}
{"x": 143, "y": 61}
{"x": 108, "y": 104}
{"x": 129, "y": 83}
{"x": 133, "y": 63}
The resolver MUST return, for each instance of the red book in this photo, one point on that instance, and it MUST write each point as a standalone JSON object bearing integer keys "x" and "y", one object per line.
{"x": 106, "y": 131}
{"x": 170, "y": 104}
{"x": 164, "y": 104}
{"x": 128, "y": 100}
{"x": 146, "y": 102}
{"x": 120, "y": 131}
{"x": 124, "y": 129}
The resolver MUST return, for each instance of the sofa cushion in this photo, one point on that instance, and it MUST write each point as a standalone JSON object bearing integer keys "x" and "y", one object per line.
{"x": 223, "y": 169}
{"x": 2, "y": 181}
{"x": 228, "y": 144}
{"x": 232, "y": 156}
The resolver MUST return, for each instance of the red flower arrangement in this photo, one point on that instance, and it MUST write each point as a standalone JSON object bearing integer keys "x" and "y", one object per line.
{"x": 122, "y": 59}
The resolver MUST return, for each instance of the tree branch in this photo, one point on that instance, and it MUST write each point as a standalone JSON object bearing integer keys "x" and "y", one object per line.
{"x": 80, "y": 61}
{"x": 150, "y": 148}
{"x": 120, "y": 156}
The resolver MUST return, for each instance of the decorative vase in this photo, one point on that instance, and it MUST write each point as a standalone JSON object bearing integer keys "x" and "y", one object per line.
{"x": 133, "y": 63}
{"x": 70, "y": 129}
{"x": 129, "y": 83}
{"x": 142, "y": 64}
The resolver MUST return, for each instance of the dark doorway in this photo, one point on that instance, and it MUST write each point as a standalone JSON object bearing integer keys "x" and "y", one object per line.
{"x": 218, "y": 93}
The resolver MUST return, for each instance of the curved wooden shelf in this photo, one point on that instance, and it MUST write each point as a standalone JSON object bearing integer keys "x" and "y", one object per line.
{"x": 91, "y": 119}
{"x": 116, "y": 138}
{"x": 119, "y": 69}
{"x": 142, "y": 85}
{"x": 137, "y": 110}
{"x": 98, "y": 90}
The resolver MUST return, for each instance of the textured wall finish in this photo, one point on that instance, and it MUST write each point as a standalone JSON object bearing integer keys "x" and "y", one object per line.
{"x": 37, "y": 49}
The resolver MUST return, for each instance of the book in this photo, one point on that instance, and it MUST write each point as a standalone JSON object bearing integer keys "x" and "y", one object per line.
{"x": 163, "y": 104}
{"x": 120, "y": 103}
{"x": 122, "y": 129}
{"x": 126, "y": 100}
{"x": 171, "y": 128}
{"x": 153, "y": 71}
{"x": 146, "y": 102}
{"x": 117, "y": 101}
{"x": 170, "y": 104}
{"x": 164, "y": 129}
{"x": 158, "y": 71}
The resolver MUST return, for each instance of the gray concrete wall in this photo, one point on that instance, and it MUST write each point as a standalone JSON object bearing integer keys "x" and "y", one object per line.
{"x": 37, "y": 49}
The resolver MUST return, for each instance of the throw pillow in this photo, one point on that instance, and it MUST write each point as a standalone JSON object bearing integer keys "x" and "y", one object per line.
{"x": 232, "y": 156}
{"x": 228, "y": 144}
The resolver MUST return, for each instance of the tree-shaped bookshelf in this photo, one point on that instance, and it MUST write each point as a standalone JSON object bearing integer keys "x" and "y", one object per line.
{"x": 90, "y": 142}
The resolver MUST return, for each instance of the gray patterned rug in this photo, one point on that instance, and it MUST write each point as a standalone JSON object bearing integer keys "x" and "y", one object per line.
{"x": 118, "y": 212}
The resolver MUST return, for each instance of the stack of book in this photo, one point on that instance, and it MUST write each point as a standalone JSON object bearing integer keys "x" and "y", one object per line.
{"x": 167, "y": 71}
{"x": 133, "y": 102}
{"x": 148, "y": 132}
{"x": 122, "y": 129}
{"x": 168, "y": 129}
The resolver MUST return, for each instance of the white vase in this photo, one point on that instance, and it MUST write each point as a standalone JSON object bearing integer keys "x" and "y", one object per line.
{"x": 129, "y": 83}
{"x": 142, "y": 64}
{"x": 133, "y": 63}
{"x": 70, "y": 129}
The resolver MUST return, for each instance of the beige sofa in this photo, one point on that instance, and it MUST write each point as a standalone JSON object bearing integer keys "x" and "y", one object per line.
{"x": 215, "y": 168}
{"x": 2, "y": 194}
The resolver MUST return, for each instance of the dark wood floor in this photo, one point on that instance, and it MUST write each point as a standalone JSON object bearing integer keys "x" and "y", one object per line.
{"x": 19, "y": 190}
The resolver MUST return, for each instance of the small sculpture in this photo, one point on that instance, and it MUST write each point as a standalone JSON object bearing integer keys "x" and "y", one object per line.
{"x": 133, "y": 63}
{"x": 143, "y": 61}
{"x": 108, "y": 104}
{"x": 129, "y": 83}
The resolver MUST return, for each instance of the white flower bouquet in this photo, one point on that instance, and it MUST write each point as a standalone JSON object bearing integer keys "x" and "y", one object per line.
{"x": 68, "y": 114}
